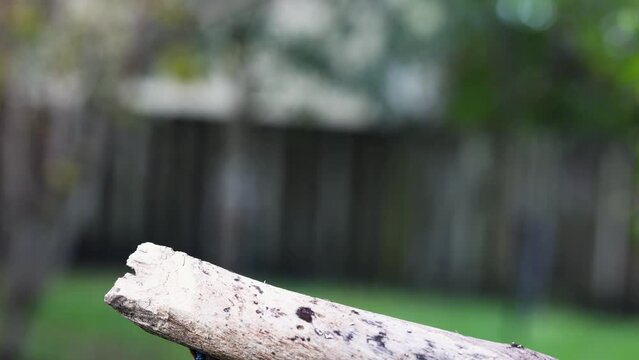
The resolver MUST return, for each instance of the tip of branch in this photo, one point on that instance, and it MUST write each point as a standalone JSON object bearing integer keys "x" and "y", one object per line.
{"x": 141, "y": 261}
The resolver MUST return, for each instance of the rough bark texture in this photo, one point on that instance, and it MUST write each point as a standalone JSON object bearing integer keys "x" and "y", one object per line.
{"x": 232, "y": 317}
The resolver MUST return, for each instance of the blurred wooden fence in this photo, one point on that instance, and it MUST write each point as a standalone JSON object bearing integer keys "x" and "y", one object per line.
{"x": 529, "y": 214}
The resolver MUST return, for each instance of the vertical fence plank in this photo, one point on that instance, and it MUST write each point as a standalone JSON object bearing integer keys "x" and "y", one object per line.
{"x": 333, "y": 202}
{"x": 614, "y": 196}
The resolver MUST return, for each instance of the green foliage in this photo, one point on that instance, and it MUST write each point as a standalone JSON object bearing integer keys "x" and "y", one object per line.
{"x": 170, "y": 13}
{"x": 580, "y": 71}
{"x": 561, "y": 64}
{"x": 25, "y": 20}
{"x": 181, "y": 61}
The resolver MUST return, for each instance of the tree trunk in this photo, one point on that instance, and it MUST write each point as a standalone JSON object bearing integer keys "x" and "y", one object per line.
{"x": 232, "y": 317}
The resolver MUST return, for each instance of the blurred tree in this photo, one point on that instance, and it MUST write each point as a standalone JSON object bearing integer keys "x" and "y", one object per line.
{"x": 55, "y": 91}
{"x": 62, "y": 64}
{"x": 554, "y": 63}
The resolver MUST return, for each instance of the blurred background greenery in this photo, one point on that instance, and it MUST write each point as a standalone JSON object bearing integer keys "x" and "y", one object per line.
{"x": 470, "y": 165}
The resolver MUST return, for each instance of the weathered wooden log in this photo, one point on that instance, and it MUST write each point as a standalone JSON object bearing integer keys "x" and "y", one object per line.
{"x": 232, "y": 317}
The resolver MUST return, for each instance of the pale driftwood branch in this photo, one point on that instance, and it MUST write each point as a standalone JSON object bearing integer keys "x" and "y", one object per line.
{"x": 232, "y": 317}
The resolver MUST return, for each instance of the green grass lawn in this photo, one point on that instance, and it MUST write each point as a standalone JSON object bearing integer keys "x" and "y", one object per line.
{"x": 73, "y": 323}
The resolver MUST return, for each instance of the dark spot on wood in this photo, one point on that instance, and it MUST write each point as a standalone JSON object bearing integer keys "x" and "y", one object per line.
{"x": 300, "y": 338}
{"x": 258, "y": 289}
{"x": 426, "y": 354}
{"x": 408, "y": 331}
{"x": 300, "y": 327}
{"x": 258, "y": 311}
{"x": 227, "y": 309}
{"x": 255, "y": 302}
{"x": 305, "y": 314}
{"x": 375, "y": 323}
{"x": 277, "y": 312}
{"x": 237, "y": 278}
{"x": 314, "y": 301}
{"x": 515, "y": 345}
{"x": 354, "y": 312}
{"x": 337, "y": 332}
{"x": 349, "y": 337}
{"x": 379, "y": 339}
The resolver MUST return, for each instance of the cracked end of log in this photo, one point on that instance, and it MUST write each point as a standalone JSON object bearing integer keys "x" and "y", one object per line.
{"x": 229, "y": 316}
